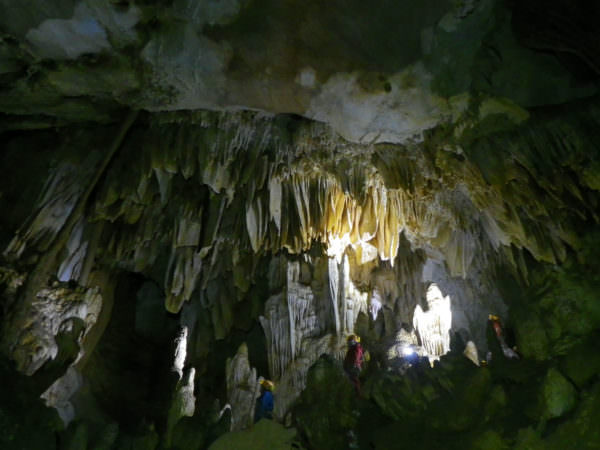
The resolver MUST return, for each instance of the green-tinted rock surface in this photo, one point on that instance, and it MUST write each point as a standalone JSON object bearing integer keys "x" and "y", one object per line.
{"x": 558, "y": 396}
{"x": 327, "y": 410}
{"x": 264, "y": 434}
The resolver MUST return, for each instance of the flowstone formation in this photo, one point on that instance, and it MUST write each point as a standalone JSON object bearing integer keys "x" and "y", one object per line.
{"x": 197, "y": 194}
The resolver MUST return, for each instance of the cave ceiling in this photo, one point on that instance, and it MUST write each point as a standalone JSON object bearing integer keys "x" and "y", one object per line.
{"x": 374, "y": 73}
{"x": 192, "y": 141}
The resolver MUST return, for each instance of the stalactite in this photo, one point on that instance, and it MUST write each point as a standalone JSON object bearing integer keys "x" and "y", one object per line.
{"x": 61, "y": 192}
{"x": 256, "y": 224}
{"x": 12, "y": 338}
{"x": 248, "y": 184}
{"x": 302, "y": 309}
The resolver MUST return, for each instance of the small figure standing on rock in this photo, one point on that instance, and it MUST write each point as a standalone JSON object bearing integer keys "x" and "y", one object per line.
{"x": 264, "y": 403}
{"x": 353, "y": 360}
{"x": 497, "y": 326}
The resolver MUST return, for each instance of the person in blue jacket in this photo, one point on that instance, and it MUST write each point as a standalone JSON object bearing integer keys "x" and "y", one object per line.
{"x": 264, "y": 403}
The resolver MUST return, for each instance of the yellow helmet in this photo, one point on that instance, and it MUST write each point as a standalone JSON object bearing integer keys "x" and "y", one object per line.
{"x": 493, "y": 317}
{"x": 353, "y": 337}
{"x": 267, "y": 384}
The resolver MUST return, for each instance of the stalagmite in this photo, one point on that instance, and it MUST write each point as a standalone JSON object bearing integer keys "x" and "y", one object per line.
{"x": 375, "y": 304}
{"x": 183, "y": 403}
{"x": 471, "y": 352}
{"x": 433, "y": 325}
{"x": 334, "y": 284}
{"x": 242, "y": 389}
{"x": 302, "y": 310}
{"x": 180, "y": 353}
{"x": 58, "y": 395}
{"x": 261, "y": 193}
{"x": 276, "y": 325}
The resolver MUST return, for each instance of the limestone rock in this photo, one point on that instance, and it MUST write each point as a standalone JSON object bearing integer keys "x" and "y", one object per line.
{"x": 242, "y": 389}
{"x": 10, "y": 282}
{"x": 180, "y": 353}
{"x": 434, "y": 325}
{"x": 265, "y": 434}
{"x": 581, "y": 430}
{"x": 328, "y": 387}
{"x": 581, "y": 363}
{"x": 488, "y": 440}
{"x": 531, "y": 337}
{"x": 69, "y": 39}
{"x": 471, "y": 353}
{"x": 528, "y": 439}
{"x": 183, "y": 403}
{"x": 56, "y": 310}
{"x": 558, "y": 396}
{"x": 58, "y": 395}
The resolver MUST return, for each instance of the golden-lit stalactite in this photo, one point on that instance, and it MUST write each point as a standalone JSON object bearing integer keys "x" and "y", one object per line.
{"x": 188, "y": 186}
{"x": 294, "y": 204}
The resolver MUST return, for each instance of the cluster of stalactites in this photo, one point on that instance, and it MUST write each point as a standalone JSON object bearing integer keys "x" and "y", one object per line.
{"x": 207, "y": 190}
{"x": 309, "y": 317}
{"x": 251, "y": 190}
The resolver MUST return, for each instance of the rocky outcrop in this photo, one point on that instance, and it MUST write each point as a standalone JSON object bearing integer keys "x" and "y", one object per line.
{"x": 265, "y": 433}
{"x": 57, "y": 310}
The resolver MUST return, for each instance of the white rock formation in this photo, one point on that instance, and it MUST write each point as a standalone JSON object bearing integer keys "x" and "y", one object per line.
{"x": 58, "y": 395}
{"x": 61, "y": 191}
{"x": 433, "y": 325}
{"x": 300, "y": 325}
{"x": 471, "y": 352}
{"x": 54, "y": 310}
{"x": 180, "y": 353}
{"x": 183, "y": 403}
{"x": 242, "y": 389}
{"x": 398, "y": 116}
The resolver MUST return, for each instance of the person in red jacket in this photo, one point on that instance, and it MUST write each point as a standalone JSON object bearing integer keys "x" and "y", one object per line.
{"x": 497, "y": 325}
{"x": 353, "y": 360}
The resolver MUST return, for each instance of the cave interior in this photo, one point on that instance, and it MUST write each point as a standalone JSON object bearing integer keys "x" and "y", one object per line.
{"x": 198, "y": 194}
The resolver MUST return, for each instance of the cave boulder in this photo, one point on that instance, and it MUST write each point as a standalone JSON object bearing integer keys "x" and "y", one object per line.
{"x": 581, "y": 431}
{"x": 327, "y": 410}
{"x": 557, "y": 396}
{"x": 264, "y": 434}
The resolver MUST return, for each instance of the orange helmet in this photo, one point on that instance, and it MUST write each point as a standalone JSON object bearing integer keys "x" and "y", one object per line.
{"x": 267, "y": 384}
{"x": 353, "y": 337}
